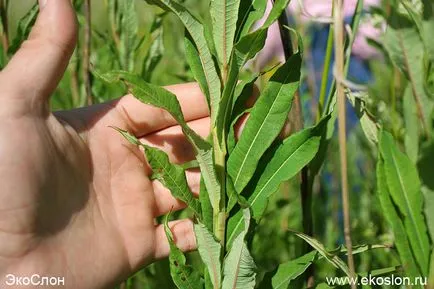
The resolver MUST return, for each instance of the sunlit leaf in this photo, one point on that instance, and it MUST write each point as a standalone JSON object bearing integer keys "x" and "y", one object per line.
{"x": 290, "y": 270}
{"x": 209, "y": 249}
{"x": 332, "y": 259}
{"x": 224, "y": 15}
{"x": 184, "y": 276}
{"x": 281, "y": 164}
{"x": 239, "y": 267}
{"x": 128, "y": 34}
{"x": 404, "y": 187}
{"x": 265, "y": 122}
{"x": 196, "y": 30}
{"x": 172, "y": 176}
{"x": 395, "y": 222}
{"x": 250, "y": 11}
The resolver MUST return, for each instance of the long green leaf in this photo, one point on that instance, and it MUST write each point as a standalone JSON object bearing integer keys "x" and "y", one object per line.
{"x": 245, "y": 49}
{"x": 332, "y": 259}
{"x": 155, "y": 52}
{"x": 24, "y": 27}
{"x": 209, "y": 250}
{"x": 183, "y": 275}
{"x": 367, "y": 121}
{"x": 289, "y": 271}
{"x": 224, "y": 15}
{"x": 280, "y": 165}
{"x": 395, "y": 222}
{"x": 412, "y": 136}
{"x": 239, "y": 267}
{"x": 424, "y": 24}
{"x": 196, "y": 30}
{"x": 250, "y": 11}
{"x": 404, "y": 187}
{"x": 428, "y": 27}
{"x": 172, "y": 176}
{"x": 161, "y": 98}
{"x": 192, "y": 57}
{"x": 128, "y": 34}
{"x": 265, "y": 122}
{"x": 404, "y": 47}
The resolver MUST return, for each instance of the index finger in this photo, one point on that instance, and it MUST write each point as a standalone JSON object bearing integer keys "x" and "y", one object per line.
{"x": 142, "y": 119}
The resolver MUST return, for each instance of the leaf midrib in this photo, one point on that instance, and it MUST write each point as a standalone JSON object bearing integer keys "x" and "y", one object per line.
{"x": 260, "y": 129}
{"x": 214, "y": 267}
{"x": 407, "y": 201}
{"x": 266, "y": 184}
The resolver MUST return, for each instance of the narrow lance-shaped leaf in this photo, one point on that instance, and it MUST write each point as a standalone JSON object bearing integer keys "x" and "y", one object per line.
{"x": 265, "y": 122}
{"x": 404, "y": 47}
{"x": 24, "y": 27}
{"x": 156, "y": 50}
{"x": 250, "y": 11}
{"x": 224, "y": 15}
{"x": 424, "y": 24}
{"x": 128, "y": 35}
{"x": 404, "y": 186}
{"x": 245, "y": 49}
{"x": 161, "y": 98}
{"x": 412, "y": 136}
{"x": 196, "y": 30}
{"x": 183, "y": 275}
{"x": 206, "y": 207}
{"x": 192, "y": 57}
{"x": 428, "y": 27}
{"x": 367, "y": 121}
{"x": 332, "y": 259}
{"x": 172, "y": 176}
{"x": 239, "y": 267}
{"x": 289, "y": 271}
{"x": 281, "y": 164}
{"x": 209, "y": 250}
{"x": 395, "y": 222}
{"x": 286, "y": 272}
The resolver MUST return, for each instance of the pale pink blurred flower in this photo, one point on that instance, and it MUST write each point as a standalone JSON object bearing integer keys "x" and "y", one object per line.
{"x": 273, "y": 47}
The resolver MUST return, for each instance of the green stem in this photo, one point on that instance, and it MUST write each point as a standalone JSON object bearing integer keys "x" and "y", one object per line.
{"x": 219, "y": 216}
{"x": 341, "y": 102}
{"x": 325, "y": 73}
{"x": 355, "y": 23}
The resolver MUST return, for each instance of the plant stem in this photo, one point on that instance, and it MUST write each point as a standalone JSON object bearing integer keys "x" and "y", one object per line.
{"x": 348, "y": 46}
{"x": 219, "y": 216}
{"x": 341, "y": 102}
{"x": 325, "y": 73}
{"x": 5, "y": 25}
{"x": 86, "y": 52}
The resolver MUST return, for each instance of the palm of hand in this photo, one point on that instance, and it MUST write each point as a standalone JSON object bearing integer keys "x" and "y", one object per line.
{"x": 90, "y": 199}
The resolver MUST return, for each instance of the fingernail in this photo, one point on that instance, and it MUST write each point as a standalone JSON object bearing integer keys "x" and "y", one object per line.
{"x": 42, "y": 3}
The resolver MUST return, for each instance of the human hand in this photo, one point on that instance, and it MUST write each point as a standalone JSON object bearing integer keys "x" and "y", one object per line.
{"x": 76, "y": 199}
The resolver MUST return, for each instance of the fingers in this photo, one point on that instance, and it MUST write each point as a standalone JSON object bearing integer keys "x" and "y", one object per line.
{"x": 183, "y": 235}
{"x": 36, "y": 69}
{"x": 174, "y": 143}
{"x": 142, "y": 119}
{"x": 165, "y": 202}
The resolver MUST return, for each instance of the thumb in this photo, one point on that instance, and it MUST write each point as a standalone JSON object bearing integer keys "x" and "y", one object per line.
{"x": 36, "y": 69}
